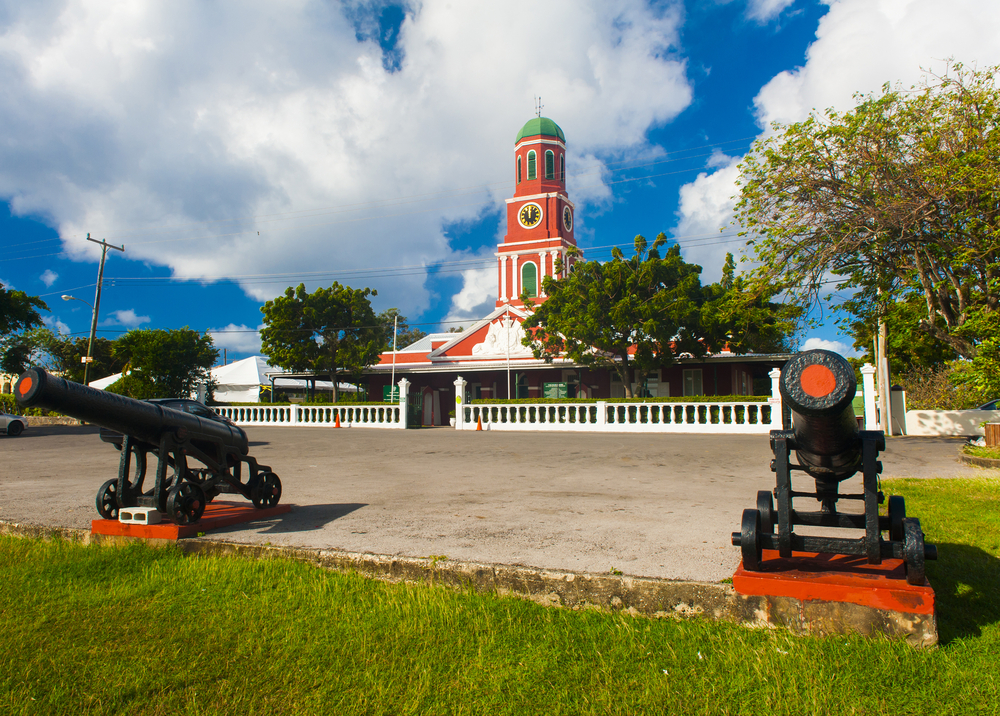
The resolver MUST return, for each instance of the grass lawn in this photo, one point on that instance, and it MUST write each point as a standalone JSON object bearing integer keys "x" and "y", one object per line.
{"x": 123, "y": 630}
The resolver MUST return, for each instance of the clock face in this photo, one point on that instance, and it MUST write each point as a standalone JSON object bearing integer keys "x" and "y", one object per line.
{"x": 529, "y": 215}
{"x": 567, "y": 218}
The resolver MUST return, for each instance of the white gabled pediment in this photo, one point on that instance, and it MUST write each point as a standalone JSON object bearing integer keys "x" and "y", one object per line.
{"x": 496, "y": 336}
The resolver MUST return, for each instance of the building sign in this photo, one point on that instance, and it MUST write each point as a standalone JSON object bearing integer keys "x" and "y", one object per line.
{"x": 555, "y": 390}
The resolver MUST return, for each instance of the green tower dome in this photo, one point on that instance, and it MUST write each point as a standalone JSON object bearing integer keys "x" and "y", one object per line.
{"x": 540, "y": 125}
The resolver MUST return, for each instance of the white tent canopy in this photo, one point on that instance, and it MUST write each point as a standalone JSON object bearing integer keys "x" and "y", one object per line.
{"x": 240, "y": 382}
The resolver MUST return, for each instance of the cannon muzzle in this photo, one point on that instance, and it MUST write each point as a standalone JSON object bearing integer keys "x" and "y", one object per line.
{"x": 144, "y": 421}
{"x": 819, "y": 387}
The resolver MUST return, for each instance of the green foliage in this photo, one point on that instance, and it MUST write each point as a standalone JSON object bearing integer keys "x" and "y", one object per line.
{"x": 19, "y": 313}
{"x": 896, "y": 200}
{"x": 163, "y": 363}
{"x": 405, "y": 335}
{"x": 909, "y": 347}
{"x": 633, "y": 316}
{"x": 747, "y": 321}
{"x": 945, "y": 387}
{"x": 331, "y": 331}
{"x": 601, "y": 312}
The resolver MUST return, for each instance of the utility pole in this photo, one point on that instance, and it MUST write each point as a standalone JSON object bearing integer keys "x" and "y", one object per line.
{"x": 97, "y": 300}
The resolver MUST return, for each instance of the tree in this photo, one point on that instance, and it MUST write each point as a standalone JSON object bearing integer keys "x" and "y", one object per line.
{"x": 896, "y": 198}
{"x": 162, "y": 363}
{"x": 746, "y": 321}
{"x": 66, "y": 355}
{"x": 405, "y": 335}
{"x": 19, "y": 313}
{"x": 909, "y": 348}
{"x": 329, "y": 331}
{"x": 626, "y": 315}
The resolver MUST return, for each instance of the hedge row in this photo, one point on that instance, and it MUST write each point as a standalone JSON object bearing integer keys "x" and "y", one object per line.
{"x": 688, "y": 399}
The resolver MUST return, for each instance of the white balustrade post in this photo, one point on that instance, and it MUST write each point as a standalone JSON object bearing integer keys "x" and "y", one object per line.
{"x": 868, "y": 389}
{"x": 777, "y": 409}
{"x": 459, "y": 402}
{"x": 404, "y": 388}
{"x": 602, "y": 413}
{"x": 293, "y": 413}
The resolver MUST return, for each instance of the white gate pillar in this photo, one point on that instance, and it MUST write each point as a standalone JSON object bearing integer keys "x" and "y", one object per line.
{"x": 404, "y": 388}
{"x": 777, "y": 408}
{"x": 459, "y": 402}
{"x": 868, "y": 390}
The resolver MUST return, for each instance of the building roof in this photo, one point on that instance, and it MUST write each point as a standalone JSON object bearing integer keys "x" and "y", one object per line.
{"x": 540, "y": 125}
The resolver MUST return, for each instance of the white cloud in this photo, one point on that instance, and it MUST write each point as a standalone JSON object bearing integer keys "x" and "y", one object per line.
{"x": 765, "y": 10}
{"x": 705, "y": 208}
{"x": 127, "y": 318}
{"x": 860, "y": 45}
{"x": 165, "y": 127}
{"x": 48, "y": 277}
{"x": 835, "y": 346}
{"x": 54, "y": 324}
{"x": 237, "y": 338}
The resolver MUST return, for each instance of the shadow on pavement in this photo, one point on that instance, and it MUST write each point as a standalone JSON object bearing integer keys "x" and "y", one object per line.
{"x": 300, "y": 519}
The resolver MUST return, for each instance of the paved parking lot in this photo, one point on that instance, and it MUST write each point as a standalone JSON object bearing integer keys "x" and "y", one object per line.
{"x": 658, "y": 506}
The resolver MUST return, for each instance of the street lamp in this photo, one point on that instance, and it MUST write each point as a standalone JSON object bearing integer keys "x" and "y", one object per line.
{"x": 93, "y": 327}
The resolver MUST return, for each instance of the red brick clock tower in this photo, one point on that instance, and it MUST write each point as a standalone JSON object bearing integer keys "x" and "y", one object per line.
{"x": 539, "y": 216}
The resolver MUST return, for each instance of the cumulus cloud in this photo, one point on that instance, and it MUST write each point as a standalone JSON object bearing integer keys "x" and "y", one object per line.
{"x": 54, "y": 324}
{"x": 237, "y": 338}
{"x": 48, "y": 277}
{"x": 835, "y": 346}
{"x": 127, "y": 318}
{"x": 860, "y": 45}
{"x": 247, "y": 139}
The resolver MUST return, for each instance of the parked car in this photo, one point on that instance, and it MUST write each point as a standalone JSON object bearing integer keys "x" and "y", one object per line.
{"x": 992, "y": 405}
{"x": 183, "y": 404}
{"x": 12, "y": 425}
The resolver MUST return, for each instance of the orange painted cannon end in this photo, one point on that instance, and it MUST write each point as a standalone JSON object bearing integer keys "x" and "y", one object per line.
{"x": 217, "y": 514}
{"x": 810, "y": 577}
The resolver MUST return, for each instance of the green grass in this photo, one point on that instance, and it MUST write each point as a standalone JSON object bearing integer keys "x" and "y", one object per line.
{"x": 976, "y": 451}
{"x": 138, "y": 630}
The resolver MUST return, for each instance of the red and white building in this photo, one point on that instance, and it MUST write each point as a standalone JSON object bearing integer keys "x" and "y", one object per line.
{"x": 490, "y": 356}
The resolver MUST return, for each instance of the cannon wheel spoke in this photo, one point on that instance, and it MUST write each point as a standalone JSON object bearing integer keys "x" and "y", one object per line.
{"x": 185, "y": 503}
{"x": 750, "y": 545}
{"x": 913, "y": 551}
{"x": 267, "y": 491}
{"x": 107, "y": 500}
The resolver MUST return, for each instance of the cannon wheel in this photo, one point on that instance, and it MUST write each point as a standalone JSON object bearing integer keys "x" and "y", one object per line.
{"x": 267, "y": 491}
{"x": 185, "y": 503}
{"x": 750, "y": 545}
{"x": 913, "y": 551}
{"x": 897, "y": 513}
{"x": 765, "y": 505}
{"x": 107, "y": 500}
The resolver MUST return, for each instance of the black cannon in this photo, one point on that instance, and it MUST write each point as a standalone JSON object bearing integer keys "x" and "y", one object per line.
{"x": 173, "y": 436}
{"x": 819, "y": 388}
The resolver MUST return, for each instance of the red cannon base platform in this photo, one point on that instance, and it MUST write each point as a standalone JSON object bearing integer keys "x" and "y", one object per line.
{"x": 217, "y": 514}
{"x": 810, "y": 576}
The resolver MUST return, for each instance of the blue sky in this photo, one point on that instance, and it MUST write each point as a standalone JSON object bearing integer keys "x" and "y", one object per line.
{"x": 237, "y": 149}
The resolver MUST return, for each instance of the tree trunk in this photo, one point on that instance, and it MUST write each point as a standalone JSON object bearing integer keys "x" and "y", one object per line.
{"x": 626, "y": 375}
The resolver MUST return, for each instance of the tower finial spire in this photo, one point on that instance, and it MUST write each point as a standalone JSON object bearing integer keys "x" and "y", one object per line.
{"x": 538, "y": 106}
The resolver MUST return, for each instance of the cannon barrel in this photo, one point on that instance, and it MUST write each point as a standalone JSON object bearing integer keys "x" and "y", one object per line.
{"x": 145, "y": 421}
{"x": 819, "y": 388}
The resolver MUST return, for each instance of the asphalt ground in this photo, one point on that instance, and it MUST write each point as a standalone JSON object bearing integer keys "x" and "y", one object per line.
{"x": 645, "y": 505}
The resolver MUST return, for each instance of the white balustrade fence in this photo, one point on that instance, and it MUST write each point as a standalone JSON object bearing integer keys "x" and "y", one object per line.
{"x": 390, "y": 415}
{"x": 608, "y": 416}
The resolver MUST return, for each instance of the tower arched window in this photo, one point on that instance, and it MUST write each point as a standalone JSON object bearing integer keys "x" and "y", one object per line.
{"x": 529, "y": 280}
{"x": 519, "y": 169}
{"x": 550, "y": 165}
{"x": 531, "y": 165}
{"x": 562, "y": 167}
